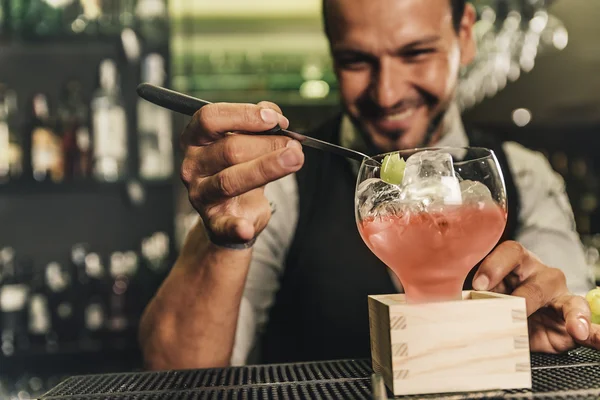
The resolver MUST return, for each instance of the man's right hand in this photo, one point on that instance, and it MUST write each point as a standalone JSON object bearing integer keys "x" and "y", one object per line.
{"x": 225, "y": 173}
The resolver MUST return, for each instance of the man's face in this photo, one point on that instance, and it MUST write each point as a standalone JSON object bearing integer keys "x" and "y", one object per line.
{"x": 397, "y": 63}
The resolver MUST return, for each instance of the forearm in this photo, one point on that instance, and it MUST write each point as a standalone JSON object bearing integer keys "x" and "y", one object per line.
{"x": 191, "y": 321}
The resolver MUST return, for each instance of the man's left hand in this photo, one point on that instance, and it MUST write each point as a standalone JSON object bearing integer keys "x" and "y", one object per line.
{"x": 558, "y": 319}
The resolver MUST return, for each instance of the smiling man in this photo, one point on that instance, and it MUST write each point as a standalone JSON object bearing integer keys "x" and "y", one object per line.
{"x": 252, "y": 285}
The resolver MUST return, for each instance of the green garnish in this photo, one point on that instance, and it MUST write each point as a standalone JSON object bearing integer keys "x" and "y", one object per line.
{"x": 392, "y": 169}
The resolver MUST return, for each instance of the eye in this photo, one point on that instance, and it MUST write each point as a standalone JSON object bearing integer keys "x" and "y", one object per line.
{"x": 417, "y": 53}
{"x": 353, "y": 61}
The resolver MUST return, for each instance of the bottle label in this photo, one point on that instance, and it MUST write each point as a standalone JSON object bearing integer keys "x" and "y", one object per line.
{"x": 110, "y": 133}
{"x": 13, "y": 297}
{"x": 4, "y": 149}
{"x": 46, "y": 153}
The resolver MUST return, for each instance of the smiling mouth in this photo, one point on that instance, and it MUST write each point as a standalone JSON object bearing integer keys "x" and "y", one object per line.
{"x": 400, "y": 116}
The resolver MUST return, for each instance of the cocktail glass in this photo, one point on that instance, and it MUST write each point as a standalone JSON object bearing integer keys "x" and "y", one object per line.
{"x": 431, "y": 215}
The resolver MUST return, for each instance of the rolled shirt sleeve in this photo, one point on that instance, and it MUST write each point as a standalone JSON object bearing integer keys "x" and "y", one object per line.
{"x": 546, "y": 223}
{"x": 266, "y": 267}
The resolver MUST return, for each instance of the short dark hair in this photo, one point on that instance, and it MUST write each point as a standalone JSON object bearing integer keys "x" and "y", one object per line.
{"x": 458, "y": 9}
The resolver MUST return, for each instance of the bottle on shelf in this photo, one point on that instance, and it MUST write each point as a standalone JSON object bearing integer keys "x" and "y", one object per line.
{"x": 47, "y": 159}
{"x": 94, "y": 289}
{"x": 109, "y": 21}
{"x": 109, "y": 126}
{"x": 42, "y": 19}
{"x": 87, "y": 22}
{"x": 127, "y": 13}
{"x": 155, "y": 131}
{"x": 11, "y": 147}
{"x": 4, "y": 30}
{"x": 14, "y": 295}
{"x": 39, "y": 320}
{"x": 59, "y": 286}
{"x": 73, "y": 17}
{"x": 73, "y": 114}
{"x": 152, "y": 22}
{"x": 123, "y": 268}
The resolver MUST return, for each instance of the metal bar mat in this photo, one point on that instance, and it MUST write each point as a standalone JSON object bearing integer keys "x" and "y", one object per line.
{"x": 575, "y": 375}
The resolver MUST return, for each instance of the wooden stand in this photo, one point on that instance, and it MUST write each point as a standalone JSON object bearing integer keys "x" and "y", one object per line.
{"x": 475, "y": 344}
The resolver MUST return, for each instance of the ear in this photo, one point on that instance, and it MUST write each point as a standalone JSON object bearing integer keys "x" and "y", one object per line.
{"x": 466, "y": 37}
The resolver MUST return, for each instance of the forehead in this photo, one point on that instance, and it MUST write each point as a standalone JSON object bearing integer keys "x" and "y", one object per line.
{"x": 392, "y": 21}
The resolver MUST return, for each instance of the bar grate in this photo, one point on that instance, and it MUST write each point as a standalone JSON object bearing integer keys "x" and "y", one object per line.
{"x": 206, "y": 378}
{"x": 570, "y": 376}
{"x": 580, "y": 355}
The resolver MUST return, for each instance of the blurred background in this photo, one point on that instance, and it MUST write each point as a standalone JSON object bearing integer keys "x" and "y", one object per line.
{"x": 92, "y": 211}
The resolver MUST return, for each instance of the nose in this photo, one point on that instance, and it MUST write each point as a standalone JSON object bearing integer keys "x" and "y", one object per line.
{"x": 388, "y": 84}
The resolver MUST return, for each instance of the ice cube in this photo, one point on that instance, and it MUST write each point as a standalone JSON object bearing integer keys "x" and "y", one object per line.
{"x": 428, "y": 164}
{"x": 474, "y": 192}
{"x": 375, "y": 197}
{"x": 429, "y": 178}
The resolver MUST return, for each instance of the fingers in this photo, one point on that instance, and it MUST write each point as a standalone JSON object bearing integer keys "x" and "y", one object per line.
{"x": 273, "y": 106}
{"x": 509, "y": 257}
{"x": 213, "y": 121}
{"x": 233, "y": 149}
{"x": 541, "y": 288}
{"x": 577, "y": 315}
{"x": 241, "y": 178}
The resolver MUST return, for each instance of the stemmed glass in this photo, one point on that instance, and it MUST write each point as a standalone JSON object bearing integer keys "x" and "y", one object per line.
{"x": 431, "y": 215}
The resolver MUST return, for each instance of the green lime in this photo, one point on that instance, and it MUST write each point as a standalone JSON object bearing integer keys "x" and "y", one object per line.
{"x": 392, "y": 169}
{"x": 593, "y": 299}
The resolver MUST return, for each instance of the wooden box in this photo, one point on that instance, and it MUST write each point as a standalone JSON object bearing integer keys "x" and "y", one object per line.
{"x": 479, "y": 343}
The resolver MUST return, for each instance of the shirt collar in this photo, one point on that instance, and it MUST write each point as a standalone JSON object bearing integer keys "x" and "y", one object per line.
{"x": 454, "y": 132}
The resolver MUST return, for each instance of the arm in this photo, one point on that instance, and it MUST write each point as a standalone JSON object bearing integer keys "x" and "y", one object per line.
{"x": 547, "y": 226}
{"x": 249, "y": 286}
{"x": 191, "y": 322}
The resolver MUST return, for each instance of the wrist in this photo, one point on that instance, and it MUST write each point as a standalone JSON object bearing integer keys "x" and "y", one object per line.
{"x": 225, "y": 245}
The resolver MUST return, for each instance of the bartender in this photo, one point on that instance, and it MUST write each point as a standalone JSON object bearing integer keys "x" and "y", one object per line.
{"x": 275, "y": 270}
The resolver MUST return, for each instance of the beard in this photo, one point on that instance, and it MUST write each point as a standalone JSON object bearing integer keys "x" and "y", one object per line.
{"x": 434, "y": 126}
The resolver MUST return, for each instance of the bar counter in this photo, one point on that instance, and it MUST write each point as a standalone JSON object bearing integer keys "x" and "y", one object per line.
{"x": 573, "y": 375}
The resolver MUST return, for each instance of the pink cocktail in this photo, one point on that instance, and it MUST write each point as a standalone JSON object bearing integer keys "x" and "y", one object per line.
{"x": 432, "y": 240}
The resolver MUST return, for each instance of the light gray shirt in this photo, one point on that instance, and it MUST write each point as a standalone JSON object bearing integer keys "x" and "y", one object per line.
{"x": 546, "y": 228}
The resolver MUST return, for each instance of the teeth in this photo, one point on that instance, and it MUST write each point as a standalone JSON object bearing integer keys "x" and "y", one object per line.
{"x": 400, "y": 116}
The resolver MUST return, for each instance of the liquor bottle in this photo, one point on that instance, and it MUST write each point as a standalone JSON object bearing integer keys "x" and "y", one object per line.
{"x": 155, "y": 253}
{"x": 110, "y": 24}
{"x": 73, "y": 114}
{"x": 46, "y": 146}
{"x": 11, "y": 148}
{"x": 41, "y": 19}
{"x": 72, "y": 17}
{"x": 95, "y": 291}
{"x": 84, "y": 146}
{"x": 88, "y": 21}
{"x": 120, "y": 278}
{"x": 39, "y": 324}
{"x": 152, "y": 22}
{"x": 155, "y": 131}
{"x": 14, "y": 293}
{"x": 109, "y": 126}
{"x": 4, "y": 31}
{"x": 4, "y": 143}
{"x": 59, "y": 284}
{"x": 15, "y": 14}
{"x": 127, "y": 13}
